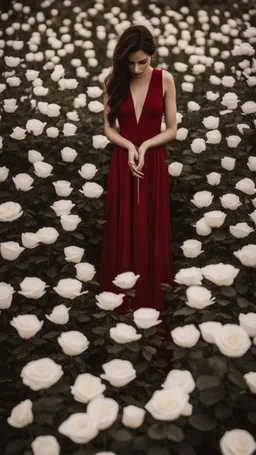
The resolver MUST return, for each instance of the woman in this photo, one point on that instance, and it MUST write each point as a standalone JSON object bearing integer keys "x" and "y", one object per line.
{"x": 137, "y": 233}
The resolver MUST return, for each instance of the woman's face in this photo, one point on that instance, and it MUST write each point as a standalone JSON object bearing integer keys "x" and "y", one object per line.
{"x": 138, "y": 63}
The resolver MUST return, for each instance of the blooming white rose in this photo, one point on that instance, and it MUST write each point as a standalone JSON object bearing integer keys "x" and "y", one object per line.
{"x": 85, "y": 271}
{"x": 220, "y": 274}
{"x": 233, "y": 141}
{"x": 62, "y": 207}
{"x": 10, "y": 250}
{"x": 202, "y": 199}
{"x": 133, "y": 416}
{"x": 202, "y": 227}
{"x": 47, "y": 235}
{"x": 92, "y": 190}
{"x": 105, "y": 410}
{"x": 215, "y": 218}
{"x": 69, "y": 288}
{"x": 41, "y": 374}
{"x": 179, "y": 380}
{"x": 146, "y": 318}
{"x": 18, "y": 133}
{"x": 213, "y": 137}
{"x": 248, "y": 323}
{"x": 199, "y": 297}
{"x": 59, "y": 314}
{"x": 12, "y": 61}
{"x": 108, "y": 301}
{"x": 99, "y": 141}
{"x": 240, "y": 230}
{"x": 73, "y": 253}
{"x": 125, "y": 280}
{"x": 73, "y": 342}
{"x": 250, "y": 379}
{"x": 34, "y": 156}
{"x": 168, "y": 404}
{"x": 95, "y": 106}
{"x": 88, "y": 171}
{"x": 247, "y": 255}
{"x": 189, "y": 276}
{"x": 181, "y": 134}
{"x": 211, "y": 96}
{"x": 232, "y": 441}
{"x": 230, "y": 100}
{"x": 211, "y": 122}
{"x": 251, "y": 163}
{"x": 42, "y": 169}
{"x": 198, "y": 145}
{"x": 118, "y": 372}
{"x": 94, "y": 92}
{"x": 10, "y": 211}
{"x": 241, "y": 127}
{"x": 68, "y": 154}
{"x": 35, "y": 126}
{"x": 249, "y": 107}
{"x": 80, "y": 427}
{"x": 246, "y": 185}
{"x": 175, "y": 168}
{"x": 4, "y": 172}
{"x": 230, "y": 201}
{"x": 53, "y": 110}
{"x": 186, "y": 336}
{"x": 228, "y": 163}
{"x": 208, "y": 330}
{"x": 193, "y": 106}
{"x": 63, "y": 188}
{"x": 213, "y": 178}
{"x": 33, "y": 287}
{"x": 27, "y": 325}
{"x": 228, "y": 81}
{"x": 192, "y": 248}
{"x": 124, "y": 333}
{"x": 21, "y": 415}
{"x": 87, "y": 387}
{"x": 253, "y": 216}
{"x": 23, "y": 182}
{"x": 6, "y": 292}
{"x": 45, "y": 445}
{"x": 232, "y": 340}
{"x": 29, "y": 240}
{"x": 70, "y": 222}
{"x": 69, "y": 129}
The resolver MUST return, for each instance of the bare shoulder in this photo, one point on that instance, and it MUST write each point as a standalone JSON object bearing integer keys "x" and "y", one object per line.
{"x": 168, "y": 81}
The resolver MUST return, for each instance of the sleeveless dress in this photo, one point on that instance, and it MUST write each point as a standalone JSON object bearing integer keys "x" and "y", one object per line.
{"x": 137, "y": 231}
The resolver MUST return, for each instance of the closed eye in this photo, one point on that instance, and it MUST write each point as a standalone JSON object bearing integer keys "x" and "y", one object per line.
{"x": 142, "y": 62}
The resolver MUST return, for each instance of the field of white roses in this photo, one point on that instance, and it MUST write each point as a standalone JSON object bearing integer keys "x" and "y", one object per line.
{"x": 76, "y": 378}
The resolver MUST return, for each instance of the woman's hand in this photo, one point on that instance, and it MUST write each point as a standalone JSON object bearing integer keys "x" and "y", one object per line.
{"x": 132, "y": 156}
{"x": 141, "y": 152}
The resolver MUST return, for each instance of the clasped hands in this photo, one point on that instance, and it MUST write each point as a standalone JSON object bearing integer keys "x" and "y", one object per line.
{"x": 136, "y": 154}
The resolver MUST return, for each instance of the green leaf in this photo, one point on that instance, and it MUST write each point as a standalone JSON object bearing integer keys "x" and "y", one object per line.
{"x": 207, "y": 382}
{"x": 237, "y": 378}
{"x": 218, "y": 364}
{"x": 15, "y": 447}
{"x": 52, "y": 334}
{"x": 122, "y": 435}
{"x": 242, "y": 302}
{"x": 251, "y": 416}
{"x": 223, "y": 411}
{"x": 186, "y": 311}
{"x": 203, "y": 422}
{"x": 173, "y": 433}
{"x": 228, "y": 291}
{"x": 158, "y": 451}
{"x": 211, "y": 396}
{"x": 156, "y": 432}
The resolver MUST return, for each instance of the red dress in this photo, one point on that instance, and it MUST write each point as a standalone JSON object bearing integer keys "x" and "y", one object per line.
{"x": 137, "y": 231}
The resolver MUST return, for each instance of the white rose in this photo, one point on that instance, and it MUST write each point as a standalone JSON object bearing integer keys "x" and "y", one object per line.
{"x": 187, "y": 87}
{"x": 193, "y": 106}
{"x": 62, "y": 207}
{"x": 199, "y": 297}
{"x": 230, "y": 201}
{"x": 35, "y": 126}
{"x": 233, "y": 141}
{"x": 251, "y": 163}
{"x": 202, "y": 199}
{"x": 230, "y": 100}
{"x": 241, "y": 127}
{"x": 253, "y": 216}
{"x": 246, "y": 185}
{"x": 53, "y": 110}
{"x": 4, "y": 172}
{"x": 249, "y": 107}
{"x": 190, "y": 276}
{"x": 73, "y": 253}
{"x": 94, "y": 92}
{"x": 186, "y": 336}
{"x": 220, "y": 274}
{"x": 208, "y": 330}
{"x": 202, "y": 227}
{"x": 69, "y": 129}
{"x": 63, "y": 188}
{"x": 85, "y": 271}
{"x": 108, "y": 301}
{"x": 248, "y": 323}
{"x": 92, "y": 190}
{"x": 27, "y": 325}
{"x": 100, "y": 141}
{"x": 42, "y": 169}
{"x": 32, "y": 287}
{"x": 247, "y": 255}
{"x": 47, "y": 235}
{"x": 59, "y": 314}
{"x": 88, "y": 171}
{"x": 211, "y": 122}
{"x": 240, "y": 230}
{"x": 80, "y": 427}
{"x": 228, "y": 163}
{"x": 232, "y": 340}
{"x": 73, "y": 342}
{"x": 211, "y": 96}
{"x": 105, "y": 410}
{"x": 192, "y": 248}
{"x": 6, "y": 292}
{"x": 228, "y": 81}
{"x": 34, "y": 156}
{"x": 175, "y": 168}
{"x": 179, "y": 380}
{"x": 215, "y": 218}
{"x": 70, "y": 222}
{"x": 41, "y": 374}
{"x": 235, "y": 441}
{"x": 125, "y": 280}
{"x": 95, "y": 106}
{"x": 10, "y": 250}
{"x": 23, "y": 182}
{"x": 69, "y": 288}
{"x": 87, "y": 387}
{"x": 124, "y": 333}
{"x": 10, "y": 211}
{"x": 213, "y": 178}
{"x": 118, "y": 372}
{"x": 213, "y": 137}
{"x": 168, "y": 404}
{"x": 250, "y": 379}
{"x": 29, "y": 240}
{"x": 181, "y": 134}
{"x": 68, "y": 154}
{"x": 21, "y": 415}
{"x": 146, "y": 318}
{"x": 133, "y": 416}
{"x": 45, "y": 445}
{"x": 198, "y": 145}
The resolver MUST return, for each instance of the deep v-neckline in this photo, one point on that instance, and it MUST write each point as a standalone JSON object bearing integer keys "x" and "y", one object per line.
{"x": 138, "y": 121}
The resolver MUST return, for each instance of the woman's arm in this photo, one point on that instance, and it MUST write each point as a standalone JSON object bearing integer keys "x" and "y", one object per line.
{"x": 111, "y": 132}
{"x": 170, "y": 115}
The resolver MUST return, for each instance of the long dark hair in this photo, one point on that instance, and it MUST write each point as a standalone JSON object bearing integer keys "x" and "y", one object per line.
{"x": 134, "y": 38}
